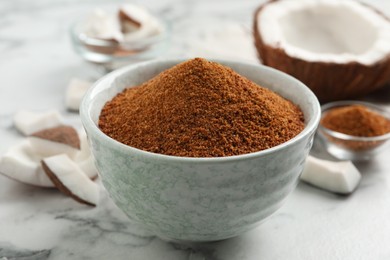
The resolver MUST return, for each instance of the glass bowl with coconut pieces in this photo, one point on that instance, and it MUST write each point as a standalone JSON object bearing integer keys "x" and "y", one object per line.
{"x": 114, "y": 37}
{"x": 354, "y": 130}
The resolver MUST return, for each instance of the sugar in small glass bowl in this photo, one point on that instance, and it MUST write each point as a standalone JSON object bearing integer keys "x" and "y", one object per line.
{"x": 350, "y": 147}
{"x": 111, "y": 54}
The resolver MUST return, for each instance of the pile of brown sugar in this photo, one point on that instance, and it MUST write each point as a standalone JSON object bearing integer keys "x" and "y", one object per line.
{"x": 356, "y": 120}
{"x": 200, "y": 109}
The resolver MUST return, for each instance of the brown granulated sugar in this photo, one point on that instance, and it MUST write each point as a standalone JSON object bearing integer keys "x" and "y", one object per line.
{"x": 356, "y": 120}
{"x": 200, "y": 109}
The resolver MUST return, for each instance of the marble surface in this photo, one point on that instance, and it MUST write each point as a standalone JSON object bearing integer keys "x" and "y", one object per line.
{"x": 36, "y": 64}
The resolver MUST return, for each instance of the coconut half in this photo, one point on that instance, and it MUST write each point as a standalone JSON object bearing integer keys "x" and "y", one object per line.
{"x": 340, "y": 49}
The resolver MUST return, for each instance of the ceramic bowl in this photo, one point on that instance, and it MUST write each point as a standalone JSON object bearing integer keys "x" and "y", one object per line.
{"x": 348, "y": 147}
{"x": 198, "y": 199}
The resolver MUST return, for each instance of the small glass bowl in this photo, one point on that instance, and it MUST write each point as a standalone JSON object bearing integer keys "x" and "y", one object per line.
{"x": 112, "y": 55}
{"x": 349, "y": 147}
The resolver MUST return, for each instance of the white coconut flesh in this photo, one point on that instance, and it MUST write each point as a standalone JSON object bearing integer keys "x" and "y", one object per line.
{"x": 22, "y": 164}
{"x": 28, "y": 122}
{"x": 84, "y": 157}
{"x": 70, "y": 179}
{"x": 325, "y": 30}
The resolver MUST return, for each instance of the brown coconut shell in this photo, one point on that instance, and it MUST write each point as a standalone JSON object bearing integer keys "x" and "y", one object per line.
{"x": 329, "y": 81}
{"x": 62, "y": 134}
{"x": 61, "y": 187}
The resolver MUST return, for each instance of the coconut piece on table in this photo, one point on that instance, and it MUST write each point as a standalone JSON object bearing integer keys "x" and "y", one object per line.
{"x": 84, "y": 157}
{"x": 88, "y": 167}
{"x": 75, "y": 93}
{"x": 22, "y": 164}
{"x": 29, "y": 122}
{"x": 56, "y": 140}
{"x": 339, "y": 177}
{"x": 70, "y": 179}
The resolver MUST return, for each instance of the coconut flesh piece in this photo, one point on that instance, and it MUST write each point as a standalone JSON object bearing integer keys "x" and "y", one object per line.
{"x": 65, "y": 140}
{"x": 131, "y": 17}
{"x": 84, "y": 158}
{"x": 137, "y": 23}
{"x": 75, "y": 92}
{"x": 70, "y": 179}
{"x": 56, "y": 140}
{"x": 339, "y": 177}
{"x": 21, "y": 163}
{"x": 28, "y": 122}
{"x": 326, "y": 30}
{"x": 101, "y": 25}
{"x": 131, "y": 23}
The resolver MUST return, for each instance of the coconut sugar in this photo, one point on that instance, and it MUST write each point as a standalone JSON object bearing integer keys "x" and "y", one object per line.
{"x": 356, "y": 120}
{"x": 200, "y": 109}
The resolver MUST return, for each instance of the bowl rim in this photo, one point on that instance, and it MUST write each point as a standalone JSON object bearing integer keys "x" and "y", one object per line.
{"x": 88, "y": 123}
{"x": 346, "y": 137}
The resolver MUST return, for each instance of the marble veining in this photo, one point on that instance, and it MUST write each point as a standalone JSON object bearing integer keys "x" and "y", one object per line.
{"x": 37, "y": 62}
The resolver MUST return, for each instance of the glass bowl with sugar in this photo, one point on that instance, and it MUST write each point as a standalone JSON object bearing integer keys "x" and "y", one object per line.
{"x": 354, "y": 130}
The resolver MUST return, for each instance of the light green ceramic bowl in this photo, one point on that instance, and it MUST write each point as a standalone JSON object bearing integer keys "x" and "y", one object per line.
{"x": 198, "y": 199}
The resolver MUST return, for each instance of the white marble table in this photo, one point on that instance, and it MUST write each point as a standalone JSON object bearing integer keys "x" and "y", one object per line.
{"x": 37, "y": 62}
